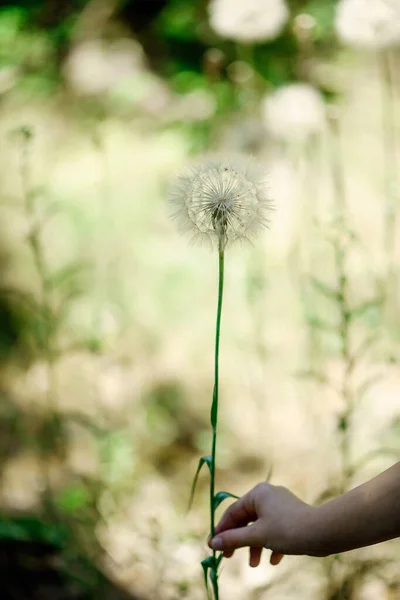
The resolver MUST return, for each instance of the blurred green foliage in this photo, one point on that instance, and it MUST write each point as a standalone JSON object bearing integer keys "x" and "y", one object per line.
{"x": 35, "y": 37}
{"x": 33, "y": 529}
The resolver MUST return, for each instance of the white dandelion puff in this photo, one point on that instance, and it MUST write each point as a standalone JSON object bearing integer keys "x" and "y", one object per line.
{"x": 248, "y": 20}
{"x": 222, "y": 200}
{"x": 294, "y": 112}
{"x": 370, "y": 24}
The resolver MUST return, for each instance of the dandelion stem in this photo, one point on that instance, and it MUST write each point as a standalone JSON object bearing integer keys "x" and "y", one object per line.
{"x": 214, "y": 406}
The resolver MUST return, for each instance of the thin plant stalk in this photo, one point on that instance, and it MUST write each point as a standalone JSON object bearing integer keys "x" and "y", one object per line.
{"x": 35, "y": 246}
{"x": 389, "y": 149}
{"x": 344, "y": 240}
{"x": 214, "y": 409}
{"x": 340, "y": 248}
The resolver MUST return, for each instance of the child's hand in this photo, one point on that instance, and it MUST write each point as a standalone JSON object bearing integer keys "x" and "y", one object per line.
{"x": 267, "y": 516}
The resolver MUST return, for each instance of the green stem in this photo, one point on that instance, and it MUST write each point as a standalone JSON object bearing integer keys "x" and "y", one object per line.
{"x": 214, "y": 406}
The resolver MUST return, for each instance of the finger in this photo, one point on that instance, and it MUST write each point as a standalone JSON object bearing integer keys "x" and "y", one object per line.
{"x": 238, "y": 514}
{"x": 238, "y": 538}
{"x": 227, "y": 553}
{"x": 276, "y": 558}
{"x": 255, "y": 556}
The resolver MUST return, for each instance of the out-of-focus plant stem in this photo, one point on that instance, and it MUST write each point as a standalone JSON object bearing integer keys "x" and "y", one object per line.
{"x": 389, "y": 149}
{"x": 35, "y": 245}
{"x": 340, "y": 249}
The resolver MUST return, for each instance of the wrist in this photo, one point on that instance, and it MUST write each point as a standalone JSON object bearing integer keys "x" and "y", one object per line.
{"x": 310, "y": 535}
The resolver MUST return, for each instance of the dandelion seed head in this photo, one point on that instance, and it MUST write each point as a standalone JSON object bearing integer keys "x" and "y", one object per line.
{"x": 294, "y": 112}
{"x": 373, "y": 24}
{"x": 221, "y": 200}
{"x": 248, "y": 20}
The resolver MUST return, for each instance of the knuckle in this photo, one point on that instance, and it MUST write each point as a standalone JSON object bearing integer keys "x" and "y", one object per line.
{"x": 262, "y": 487}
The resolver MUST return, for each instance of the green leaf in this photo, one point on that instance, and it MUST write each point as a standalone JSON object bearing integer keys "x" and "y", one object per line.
{"x": 69, "y": 275}
{"x": 204, "y": 460}
{"x": 32, "y": 529}
{"x": 219, "y": 559}
{"x": 40, "y": 324}
{"x": 325, "y": 289}
{"x": 207, "y": 563}
{"x": 221, "y": 496}
{"x": 73, "y": 499}
{"x": 316, "y": 323}
{"x": 368, "y": 384}
{"x": 315, "y": 375}
{"x": 364, "y": 307}
{"x": 214, "y": 581}
{"x": 366, "y": 345}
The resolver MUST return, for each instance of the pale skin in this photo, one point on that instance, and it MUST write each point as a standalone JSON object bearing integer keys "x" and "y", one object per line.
{"x": 272, "y": 517}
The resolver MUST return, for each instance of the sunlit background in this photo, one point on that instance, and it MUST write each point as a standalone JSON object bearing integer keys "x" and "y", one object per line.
{"x": 107, "y": 312}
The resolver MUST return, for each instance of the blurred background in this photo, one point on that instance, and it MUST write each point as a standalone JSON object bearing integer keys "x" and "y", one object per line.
{"x": 107, "y": 313}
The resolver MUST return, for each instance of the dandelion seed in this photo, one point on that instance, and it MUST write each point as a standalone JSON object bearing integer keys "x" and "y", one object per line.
{"x": 249, "y": 20}
{"x": 221, "y": 200}
{"x": 373, "y": 24}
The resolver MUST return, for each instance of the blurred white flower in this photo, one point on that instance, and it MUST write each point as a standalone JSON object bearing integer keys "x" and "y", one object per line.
{"x": 221, "y": 200}
{"x": 197, "y": 105}
{"x": 94, "y": 67}
{"x": 369, "y": 23}
{"x": 248, "y": 20}
{"x": 294, "y": 112}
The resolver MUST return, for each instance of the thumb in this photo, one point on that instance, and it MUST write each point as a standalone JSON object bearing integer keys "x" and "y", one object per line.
{"x": 238, "y": 538}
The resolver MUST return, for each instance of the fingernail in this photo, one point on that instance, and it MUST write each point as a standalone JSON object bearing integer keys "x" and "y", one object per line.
{"x": 217, "y": 543}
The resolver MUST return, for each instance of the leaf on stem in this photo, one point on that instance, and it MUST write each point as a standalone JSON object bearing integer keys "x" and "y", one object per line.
{"x": 207, "y": 563}
{"x": 315, "y": 375}
{"x": 221, "y": 496}
{"x": 68, "y": 276}
{"x": 325, "y": 289}
{"x": 365, "y": 345}
{"x": 214, "y": 581}
{"x": 361, "y": 309}
{"x": 367, "y": 385}
{"x": 316, "y": 323}
{"x": 204, "y": 460}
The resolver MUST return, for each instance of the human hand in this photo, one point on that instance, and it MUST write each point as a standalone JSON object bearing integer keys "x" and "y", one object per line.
{"x": 266, "y": 517}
